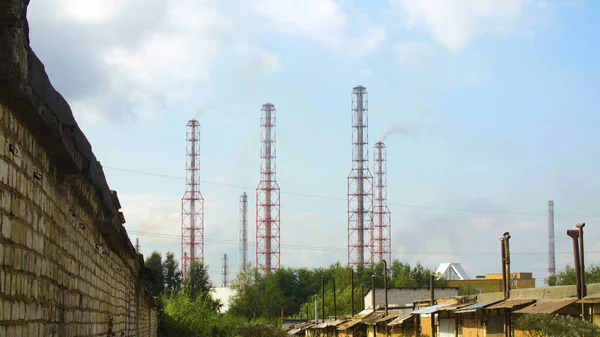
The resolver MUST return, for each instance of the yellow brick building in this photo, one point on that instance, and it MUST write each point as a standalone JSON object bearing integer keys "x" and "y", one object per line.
{"x": 493, "y": 282}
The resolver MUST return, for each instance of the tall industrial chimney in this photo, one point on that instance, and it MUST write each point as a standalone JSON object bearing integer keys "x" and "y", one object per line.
{"x": 243, "y": 231}
{"x": 381, "y": 239}
{"x": 551, "y": 254}
{"x": 360, "y": 184}
{"x": 267, "y": 197}
{"x": 225, "y": 282}
{"x": 192, "y": 203}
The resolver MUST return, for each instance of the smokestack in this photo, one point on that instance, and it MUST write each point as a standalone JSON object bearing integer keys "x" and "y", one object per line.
{"x": 225, "y": 282}
{"x": 360, "y": 184}
{"x": 551, "y": 253}
{"x": 243, "y": 231}
{"x": 574, "y": 234}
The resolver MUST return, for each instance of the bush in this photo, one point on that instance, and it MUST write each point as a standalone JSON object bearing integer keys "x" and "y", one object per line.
{"x": 541, "y": 325}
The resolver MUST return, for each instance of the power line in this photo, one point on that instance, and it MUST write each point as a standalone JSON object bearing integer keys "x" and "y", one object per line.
{"x": 340, "y": 249}
{"x": 306, "y": 195}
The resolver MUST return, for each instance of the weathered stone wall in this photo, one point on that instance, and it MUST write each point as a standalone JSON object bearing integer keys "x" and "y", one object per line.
{"x": 68, "y": 266}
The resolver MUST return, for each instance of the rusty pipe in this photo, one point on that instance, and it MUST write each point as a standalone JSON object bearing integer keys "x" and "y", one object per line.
{"x": 373, "y": 292}
{"x": 574, "y": 234}
{"x": 431, "y": 290}
{"x": 323, "y": 298}
{"x": 334, "y": 300}
{"x": 352, "y": 290}
{"x": 581, "y": 259}
{"x": 507, "y": 255}
{"x": 362, "y": 296}
{"x": 385, "y": 287}
{"x": 503, "y": 254}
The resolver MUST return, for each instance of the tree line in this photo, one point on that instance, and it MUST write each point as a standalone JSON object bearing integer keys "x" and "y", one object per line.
{"x": 188, "y": 308}
{"x": 260, "y": 296}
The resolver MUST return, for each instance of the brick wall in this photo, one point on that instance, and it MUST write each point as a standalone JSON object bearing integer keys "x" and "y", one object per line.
{"x": 68, "y": 266}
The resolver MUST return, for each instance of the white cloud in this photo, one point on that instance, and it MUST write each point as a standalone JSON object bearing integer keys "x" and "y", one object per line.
{"x": 259, "y": 61}
{"x": 411, "y": 54}
{"x": 131, "y": 63}
{"x": 323, "y": 21}
{"x": 455, "y": 23}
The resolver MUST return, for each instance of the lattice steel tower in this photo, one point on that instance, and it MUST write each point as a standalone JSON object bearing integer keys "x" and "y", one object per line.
{"x": 243, "y": 231}
{"x": 192, "y": 203}
{"x": 382, "y": 219}
{"x": 360, "y": 183}
{"x": 551, "y": 253}
{"x": 225, "y": 281}
{"x": 267, "y": 197}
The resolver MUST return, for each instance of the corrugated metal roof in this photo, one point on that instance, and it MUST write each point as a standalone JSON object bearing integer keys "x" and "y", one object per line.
{"x": 509, "y": 304}
{"x": 453, "y": 307}
{"x": 294, "y": 331}
{"x": 364, "y": 313}
{"x": 400, "y": 320}
{"x": 430, "y": 309}
{"x": 347, "y": 325}
{"x": 386, "y": 318}
{"x": 546, "y": 307}
{"x": 322, "y": 325}
{"x": 475, "y": 307}
{"x": 590, "y": 299}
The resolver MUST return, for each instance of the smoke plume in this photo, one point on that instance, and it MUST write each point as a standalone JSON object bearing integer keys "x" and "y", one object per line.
{"x": 399, "y": 129}
{"x": 201, "y": 112}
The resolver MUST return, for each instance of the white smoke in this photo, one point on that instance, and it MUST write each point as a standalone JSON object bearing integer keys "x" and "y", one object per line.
{"x": 201, "y": 112}
{"x": 398, "y": 129}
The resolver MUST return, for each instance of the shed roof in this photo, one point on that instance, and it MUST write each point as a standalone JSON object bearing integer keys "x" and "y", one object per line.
{"x": 595, "y": 298}
{"x": 364, "y": 313}
{"x": 430, "y": 309}
{"x": 294, "y": 331}
{"x": 348, "y": 324}
{"x": 546, "y": 307}
{"x": 453, "y": 307}
{"x": 475, "y": 307}
{"x": 509, "y": 304}
{"x": 401, "y": 319}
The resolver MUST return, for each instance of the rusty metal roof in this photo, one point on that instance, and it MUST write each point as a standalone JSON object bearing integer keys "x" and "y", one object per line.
{"x": 347, "y": 325}
{"x": 590, "y": 299}
{"x": 430, "y": 309}
{"x": 400, "y": 319}
{"x": 510, "y": 304}
{"x": 475, "y": 307}
{"x": 546, "y": 307}
{"x": 453, "y": 307}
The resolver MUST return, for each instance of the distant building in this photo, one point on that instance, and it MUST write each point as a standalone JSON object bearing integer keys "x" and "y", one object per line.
{"x": 223, "y": 294}
{"x": 405, "y": 297}
{"x": 452, "y": 271}
{"x": 493, "y": 282}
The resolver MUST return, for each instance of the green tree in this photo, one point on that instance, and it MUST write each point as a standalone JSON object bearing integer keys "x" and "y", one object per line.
{"x": 197, "y": 285}
{"x": 546, "y": 325}
{"x": 172, "y": 274}
{"x": 468, "y": 289}
{"x": 567, "y": 276}
{"x": 154, "y": 262}
{"x": 418, "y": 276}
{"x": 258, "y": 296}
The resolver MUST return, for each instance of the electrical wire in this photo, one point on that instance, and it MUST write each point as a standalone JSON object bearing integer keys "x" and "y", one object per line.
{"x": 341, "y": 249}
{"x": 344, "y": 199}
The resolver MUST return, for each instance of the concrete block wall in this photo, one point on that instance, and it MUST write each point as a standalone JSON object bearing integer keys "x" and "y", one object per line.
{"x": 68, "y": 267}
{"x": 59, "y": 277}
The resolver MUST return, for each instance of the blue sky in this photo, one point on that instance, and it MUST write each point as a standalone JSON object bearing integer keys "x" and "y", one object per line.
{"x": 501, "y": 98}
